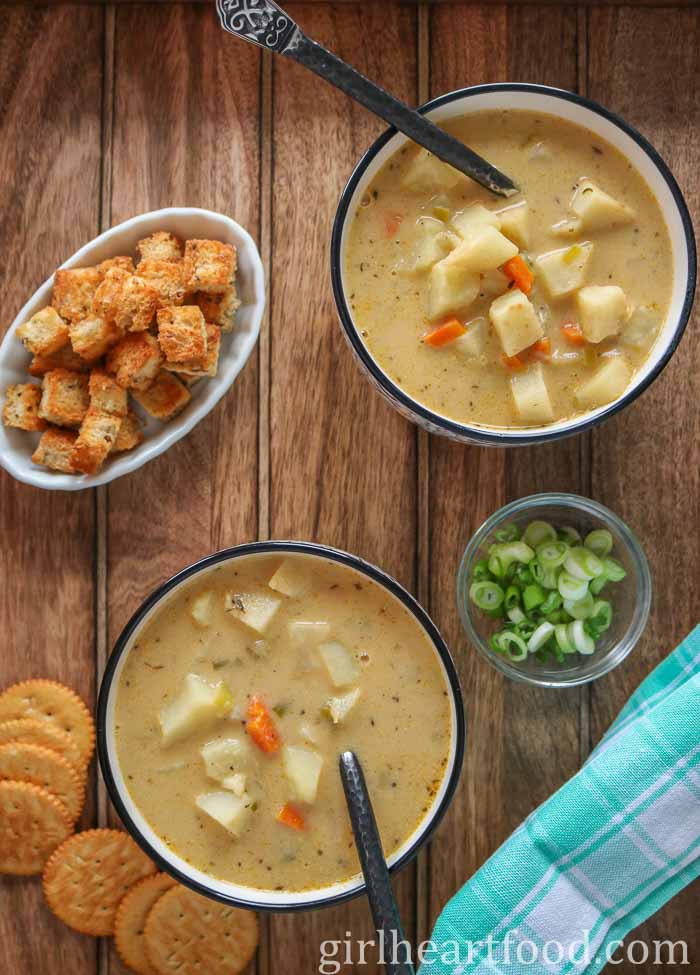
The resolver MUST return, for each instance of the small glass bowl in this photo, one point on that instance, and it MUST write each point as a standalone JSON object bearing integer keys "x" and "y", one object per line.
{"x": 631, "y": 598}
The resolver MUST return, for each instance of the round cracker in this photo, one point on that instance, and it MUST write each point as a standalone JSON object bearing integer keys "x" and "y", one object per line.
{"x": 44, "y": 733}
{"x": 50, "y": 701}
{"x": 88, "y": 875}
{"x": 41, "y": 766}
{"x": 32, "y": 824}
{"x": 130, "y": 921}
{"x": 189, "y": 934}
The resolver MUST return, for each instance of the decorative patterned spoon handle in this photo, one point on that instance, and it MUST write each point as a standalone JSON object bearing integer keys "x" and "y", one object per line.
{"x": 264, "y": 23}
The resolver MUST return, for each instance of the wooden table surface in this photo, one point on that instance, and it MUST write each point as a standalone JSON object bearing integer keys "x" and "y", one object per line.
{"x": 111, "y": 111}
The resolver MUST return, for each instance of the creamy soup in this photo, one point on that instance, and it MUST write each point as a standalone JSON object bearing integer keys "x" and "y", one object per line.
{"x": 517, "y": 313}
{"x": 238, "y": 697}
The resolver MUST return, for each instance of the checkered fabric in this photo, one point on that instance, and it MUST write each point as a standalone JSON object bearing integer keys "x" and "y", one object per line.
{"x": 601, "y": 855}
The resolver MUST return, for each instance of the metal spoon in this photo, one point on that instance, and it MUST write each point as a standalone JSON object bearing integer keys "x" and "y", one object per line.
{"x": 263, "y": 23}
{"x": 382, "y": 902}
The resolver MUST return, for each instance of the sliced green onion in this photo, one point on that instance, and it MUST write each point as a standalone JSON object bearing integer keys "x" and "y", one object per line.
{"x": 552, "y": 554}
{"x": 614, "y": 570}
{"x": 571, "y": 587}
{"x": 600, "y": 542}
{"x": 601, "y": 617}
{"x": 580, "y": 609}
{"x": 596, "y": 585}
{"x": 538, "y": 532}
{"x": 533, "y": 596}
{"x": 561, "y": 634}
{"x": 509, "y": 533}
{"x": 551, "y": 603}
{"x": 512, "y": 598}
{"x": 522, "y": 574}
{"x": 510, "y": 644}
{"x": 539, "y": 637}
{"x": 581, "y": 563}
{"x": 581, "y": 640}
{"x": 569, "y": 535}
{"x": 481, "y": 571}
{"x": 516, "y": 615}
{"x": 486, "y": 595}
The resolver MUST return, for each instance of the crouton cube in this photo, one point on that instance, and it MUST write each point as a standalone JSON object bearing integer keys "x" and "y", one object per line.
{"x": 96, "y": 437}
{"x": 123, "y": 263}
{"x": 515, "y": 320}
{"x": 450, "y": 289}
{"x": 164, "y": 398}
{"x": 182, "y": 333}
{"x": 127, "y": 300}
{"x": 530, "y": 395}
{"x": 206, "y": 366}
{"x": 73, "y": 292}
{"x": 597, "y": 210}
{"x": 130, "y": 434}
{"x": 515, "y": 224}
{"x": 64, "y": 398}
{"x": 44, "y": 333}
{"x": 609, "y": 381}
{"x": 166, "y": 277}
{"x": 602, "y": 311}
{"x": 135, "y": 360}
{"x": 92, "y": 336}
{"x": 563, "y": 271}
{"x": 64, "y": 358}
{"x": 106, "y": 395}
{"x": 426, "y": 172}
{"x": 209, "y": 265}
{"x": 484, "y": 250}
{"x": 54, "y": 450}
{"x": 219, "y": 309}
{"x": 21, "y": 407}
{"x": 473, "y": 219}
{"x": 160, "y": 246}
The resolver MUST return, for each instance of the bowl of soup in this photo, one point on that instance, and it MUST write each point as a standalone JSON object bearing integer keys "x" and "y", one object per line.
{"x": 521, "y": 320}
{"x": 231, "y": 694}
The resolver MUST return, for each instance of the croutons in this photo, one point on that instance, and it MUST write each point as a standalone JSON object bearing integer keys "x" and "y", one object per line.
{"x": 21, "y": 409}
{"x": 182, "y": 333}
{"x": 130, "y": 434}
{"x": 209, "y": 265}
{"x": 124, "y": 263}
{"x": 127, "y": 300}
{"x": 73, "y": 292}
{"x": 106, "y": 396}
{"x": 160, "y": 246}
{"x": 92, "y": 336}
{"x": 219, "y": 309}
{"x": 54, "y": 450}
{"x": 207, "y": 365}
{"x": 44, "y": 333}
{"x": 97, "y": 435}
{"x": 135, "y": 360}
{"x": 64, "y": 358}
{"x": 165, "y": 397}
{"x": 64, "y": 398}
{"x": 166, "y": 278}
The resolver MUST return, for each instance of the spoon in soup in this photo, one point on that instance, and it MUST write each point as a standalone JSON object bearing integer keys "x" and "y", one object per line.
{"x": 264, "y": 23}
{"x": 382, "y": 902}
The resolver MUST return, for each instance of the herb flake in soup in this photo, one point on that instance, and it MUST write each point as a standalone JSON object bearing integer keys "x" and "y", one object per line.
{"x": 237, "y": 698}
{"x": 514, "y": 315}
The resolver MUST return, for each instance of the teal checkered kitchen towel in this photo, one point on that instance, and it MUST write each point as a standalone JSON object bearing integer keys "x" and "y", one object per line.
{"x": 601, "y": 855}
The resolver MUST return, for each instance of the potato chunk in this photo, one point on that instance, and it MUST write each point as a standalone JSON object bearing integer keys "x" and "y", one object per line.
{"x": 484, "y": 250}
{"x": 202, "y": 608}
{"x": 563, "y": 271}
{"x": 471, "y": 344}
{"x": 530, "y": 395}
{"x": 609, "y": 381}
{"x": 302, "y": 766}
{"x": 515, "y": 320}
{"x": 308, "y": 632}
{"x": 228, "y": 810}
{"x": 224, "y": 756}
{"x": 602, "y": 311}
{"x": 197, "y": 705}
{"x": 342, "y": 667}
{"x": 291, "y": 580}
{"x": 254, "y": 609}
{"x": 426, "y": 172}
{"x": 338, "y": 708}
{"x": 450, "y": 288}
{"x": 597, "y": 210}
{"x": 515, "y": 224}
{"x": 641, "y": 326}
{"x": 433, "y": 243}
{"x": 474, "y": 218}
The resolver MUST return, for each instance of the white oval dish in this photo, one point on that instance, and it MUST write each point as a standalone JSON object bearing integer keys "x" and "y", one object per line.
{"x": 17, "y": 446}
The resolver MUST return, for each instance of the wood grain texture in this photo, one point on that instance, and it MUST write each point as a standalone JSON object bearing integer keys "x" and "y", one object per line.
{"x": 343, "y": 464}
{"x": 49, "y": 201}
{"x": 646, "y": 461}
{"x": 506, "y": 774}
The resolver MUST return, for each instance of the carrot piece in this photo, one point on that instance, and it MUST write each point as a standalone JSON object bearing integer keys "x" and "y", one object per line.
{"x": 542, "y": 349}
{"x": 572, "y": 333}
{"x": 392, "y": 223}
{"x": 517, "y": 270}
{"x": 447, "y": 332}
{"x": 261, "y": 727}
{"x": 289, "y": 815}
{"x": 513, "y": 362}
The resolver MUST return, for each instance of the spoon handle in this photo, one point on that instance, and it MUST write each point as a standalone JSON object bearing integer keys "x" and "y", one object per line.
{"x": 382, "y": 903}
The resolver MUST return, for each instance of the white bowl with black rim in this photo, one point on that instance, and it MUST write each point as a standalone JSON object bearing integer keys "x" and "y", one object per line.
{"x": 138, "y": 826}
{"x": 641, "y": 154}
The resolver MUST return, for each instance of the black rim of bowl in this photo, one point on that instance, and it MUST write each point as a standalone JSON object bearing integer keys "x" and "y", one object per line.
{"x": 261, "y": 548}
{"x": 486, "y": 435}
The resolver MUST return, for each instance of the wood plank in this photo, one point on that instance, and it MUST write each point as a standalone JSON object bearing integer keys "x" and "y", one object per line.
{"x": 49, "y": 198}
{"x": 186, "y": 132}
{"x": 506, "y": 774}
{"x": 343, "y": 464}
{"x": 646, "y": 462}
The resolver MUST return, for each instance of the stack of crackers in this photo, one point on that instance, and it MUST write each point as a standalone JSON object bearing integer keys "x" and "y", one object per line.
{"x": 118, "y": 332}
